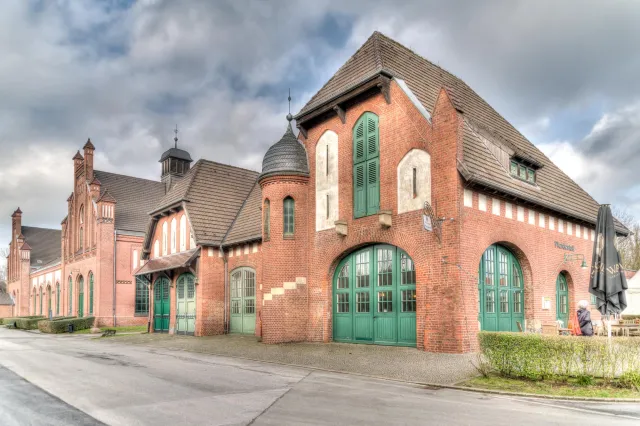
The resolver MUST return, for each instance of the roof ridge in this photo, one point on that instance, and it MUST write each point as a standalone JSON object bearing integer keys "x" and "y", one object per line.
{"x": 40, "y": 227}
{"x": 238, "y": 214}
{"x": 128, "y": 176}
{"x": 226, "y": 165}
{"x": 196, "y": 169}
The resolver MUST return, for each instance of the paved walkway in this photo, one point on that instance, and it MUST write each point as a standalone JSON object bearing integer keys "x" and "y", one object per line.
{"x": 396, "y": 363}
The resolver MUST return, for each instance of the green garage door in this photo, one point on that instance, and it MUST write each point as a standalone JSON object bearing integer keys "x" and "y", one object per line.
{"x": 375, "y": 298}
{"x": 186, "y": 304}
{"x": 500, "y": 291}
{"x": 243, "y": 301}
{"x": 161, "y": 305}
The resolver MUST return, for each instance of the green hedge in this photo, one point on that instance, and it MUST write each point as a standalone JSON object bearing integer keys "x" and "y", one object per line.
{"x": 8, "y": 321}
{"x": 26, "y": 323}
{"x": 539, "y": 357}
{"x": 61, "y": 325}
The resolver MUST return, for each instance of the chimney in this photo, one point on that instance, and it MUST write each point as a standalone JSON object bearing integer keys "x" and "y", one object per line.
{"x": 77, "y": 163}
{"x": 88, "y": 160}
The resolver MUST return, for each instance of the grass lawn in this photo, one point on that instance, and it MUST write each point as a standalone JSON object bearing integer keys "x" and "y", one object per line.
{"x": 570, "y": 388}
{"x": 124, "y": 329}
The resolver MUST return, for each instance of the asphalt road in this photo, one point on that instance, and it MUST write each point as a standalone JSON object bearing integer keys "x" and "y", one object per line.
{"x": 72, "y": 380}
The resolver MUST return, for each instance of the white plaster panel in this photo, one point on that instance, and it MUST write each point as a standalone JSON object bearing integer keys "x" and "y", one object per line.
{"x": 420, "y": 161}
{"x": 561, "y": 225}
{"x": 246, "y": 249}
{"x": 57, "y": 275}
{"x": 569, "y": 228}
{"x": 289, "y": 285}
{"x": 585, "y": 233}
{"x": 552, "y": 223}
{"x": 593, "y": 235}
{"x": 468, "y": 198}
{"x": 482, "y": 202}
{"x": 210, "y": 251}
{"x": 532, "y": 217}
{"x": 520, "y": 214}
{"x": 254, "y": 249}
{"x": 508, "y": 210}
{"x": 277, "y": 291}
{"x": 48, "y": 278}
{"x": 327, "y": 181}
{"x": 541, "y": 220}
{"x": 578, "y": 228}
{"x": 238, "y": 251}
{"x": 495, "y": 206}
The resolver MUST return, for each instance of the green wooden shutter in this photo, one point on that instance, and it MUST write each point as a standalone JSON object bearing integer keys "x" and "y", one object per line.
{"x": 372, "y": 136}
{"x": 359, "y": 190}
{"x": 373, "y": 186}
{"x": 359, "y": 142}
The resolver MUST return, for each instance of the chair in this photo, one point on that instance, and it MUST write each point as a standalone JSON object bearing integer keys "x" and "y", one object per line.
{"x": 519, "y": 326}
{"x": 550, "y": 329}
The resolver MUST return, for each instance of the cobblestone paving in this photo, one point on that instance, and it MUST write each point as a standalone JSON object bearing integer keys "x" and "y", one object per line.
{"x": 408, "y": 364}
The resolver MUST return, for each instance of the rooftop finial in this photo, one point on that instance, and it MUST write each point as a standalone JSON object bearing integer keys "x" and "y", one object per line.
{"x": 289, "y": 116}
{"x": 175, "y": 139}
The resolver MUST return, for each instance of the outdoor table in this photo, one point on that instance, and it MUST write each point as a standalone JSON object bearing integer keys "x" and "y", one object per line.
{"x": 626, "y": 328}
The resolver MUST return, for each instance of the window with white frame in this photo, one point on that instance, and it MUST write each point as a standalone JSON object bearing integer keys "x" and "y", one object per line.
{"x": 165, "y": 238}
{"x": 174, "y": 242}
{"x": 183, "y": 233}
{"x": 156, "y": 249}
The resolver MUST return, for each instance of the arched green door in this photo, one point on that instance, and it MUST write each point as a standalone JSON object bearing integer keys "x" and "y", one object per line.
{"x": 500, "y": 290}
{"x": 243, "y": 301}
{"x": 70, "y": 297}
{"x": 40, "y": 300}
{"x": 186, "y": 304}
{"x": 80, "y": 297}
{"x": 562, "y": 300}
{"x": 57, "y": 299}
{"x": 161, "y": 305}
{"x": 49, "y": 305}
{"x": 375, "y": 297}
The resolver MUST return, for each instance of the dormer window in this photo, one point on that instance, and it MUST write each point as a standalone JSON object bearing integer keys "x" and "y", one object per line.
{"x": 521, "y": 171}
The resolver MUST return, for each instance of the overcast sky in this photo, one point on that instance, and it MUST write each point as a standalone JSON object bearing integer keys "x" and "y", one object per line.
{"x": 125, "y": 73}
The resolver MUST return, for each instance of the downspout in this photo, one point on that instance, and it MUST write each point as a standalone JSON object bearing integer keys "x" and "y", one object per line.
{"x": 115, "y": 235}
{"x": 226, "y": 284}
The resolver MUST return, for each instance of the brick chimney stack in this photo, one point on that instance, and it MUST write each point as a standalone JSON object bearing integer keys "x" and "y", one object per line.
{"x": 88, "y": 160}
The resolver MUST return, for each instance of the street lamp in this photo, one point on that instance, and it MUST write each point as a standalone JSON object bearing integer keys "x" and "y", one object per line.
{"x": 573, "y": 257}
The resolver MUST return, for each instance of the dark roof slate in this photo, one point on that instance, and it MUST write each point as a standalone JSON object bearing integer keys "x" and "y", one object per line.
{"x": 178, "y": 153}
{"x": 133, "y": 197}
{"x": 286, "y": 156}
{"x": 380, "y": 54}
{"x": 248, "y": 224}
{"x": 45, "y": 244}
{"x": 5, "y": 299}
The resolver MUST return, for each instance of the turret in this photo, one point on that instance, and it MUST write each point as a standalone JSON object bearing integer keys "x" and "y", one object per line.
{"x": 88, "y": 160}
{"x": 175, "y": 164}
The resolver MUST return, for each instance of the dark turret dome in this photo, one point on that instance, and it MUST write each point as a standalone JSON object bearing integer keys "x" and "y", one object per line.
{"x": 286, "y": 157}
{"x": 178, "y": 153}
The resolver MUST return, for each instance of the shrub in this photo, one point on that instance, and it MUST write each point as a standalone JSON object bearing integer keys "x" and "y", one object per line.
{"x": 27, "y": 323}
{"x": 61, "y": 325}
{"x": 630, "y": 380}
{"x": 538, "y": 357}
{"x": 585, "y": 380}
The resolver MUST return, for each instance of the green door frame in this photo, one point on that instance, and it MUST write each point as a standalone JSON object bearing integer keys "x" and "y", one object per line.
{"x": 161, "y": 305}
{"x": 186, "y": 304}
{"x": 374, "y": 298}
{"x": 80, "y": 296}
{"x": 500, "y": 290}
{"x": 562, "y": 299}
{"x": 242, "y": 317}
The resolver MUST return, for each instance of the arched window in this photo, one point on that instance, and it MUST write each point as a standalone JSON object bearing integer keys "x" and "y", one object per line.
{"x": 90, "y": 293}
{"x": 267, "y": 220}
{"x": 156, "y": 249}
{"x": 57, "y": 299}
{"x": 174, "y": 247}
{"x": 81, "y": 296}
{"x": 366, "y": 166}
{"x": 81, "y": 229}
{"x": 81, "y": 239}
{"x": 183, "y": 233}
{"x": 70, "y": 297}
{"x": 142, "y": 298}
{"x": 40, "y": 300}
{"x": 289, "y": 217}
{"x": 165, "y": 238}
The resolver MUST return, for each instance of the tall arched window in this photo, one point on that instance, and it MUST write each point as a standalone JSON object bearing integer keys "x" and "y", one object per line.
{"x": 165, "y": 238}
{"x": 156, "y": 249}
{"x": 267, "y": 220}
{"x": 81, "y": 239}
{"x": 90, "y": 293}
{"x": 40, "y": 300}
{"x": 34, "y": 301}
{"x": 183, "y": 233}
{"x": 289, "y": 217}
{"x": 57, "y": 299}
{"x": 366, "y": 166}
{"x": 174, "y": 225}
{"x": 70, "y": 297}
{"x": 81, "y": 230}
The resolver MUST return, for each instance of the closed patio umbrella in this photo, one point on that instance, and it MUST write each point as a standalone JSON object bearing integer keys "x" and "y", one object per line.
{"x": 608, "y": 282}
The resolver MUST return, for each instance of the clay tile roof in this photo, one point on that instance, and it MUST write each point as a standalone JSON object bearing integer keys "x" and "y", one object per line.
{"x": 107, "y": 197}
{"x": 553, "y": 190}
{"x": 248, "y": 224}
{"x": 78, "y": 156}
{"x": 133, "y": 195}
{"x": 45, "y": 244}
{"x": 88, "y": 145}
{"x": 5, "y": 299}
{"x": 172, "y": 261}
{"x": 213, "y": 194}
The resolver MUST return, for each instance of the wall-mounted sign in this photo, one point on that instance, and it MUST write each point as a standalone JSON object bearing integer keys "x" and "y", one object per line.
{"x": 426, "y": 222}
{"x": 564, "y": 246}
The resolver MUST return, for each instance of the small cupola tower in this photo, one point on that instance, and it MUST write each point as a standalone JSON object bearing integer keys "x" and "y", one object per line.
{"x": 284, "y": 182}
{"x": 175, "y": 164}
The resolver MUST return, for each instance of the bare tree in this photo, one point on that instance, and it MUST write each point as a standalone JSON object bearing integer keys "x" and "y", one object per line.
{"x": 629, "y": 246}
{"x": 4, "y": 252}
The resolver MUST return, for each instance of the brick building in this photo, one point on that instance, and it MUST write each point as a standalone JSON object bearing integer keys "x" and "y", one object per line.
{"x": 407, "y": 212}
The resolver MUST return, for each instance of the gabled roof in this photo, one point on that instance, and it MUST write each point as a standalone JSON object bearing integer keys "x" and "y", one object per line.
{"x": 213, "y": 194}
{"x": 379, "y": 54}
{"x": 133, "y": 197}
{"x": 248, "y": 224}
{"x": 45, "y": 244}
